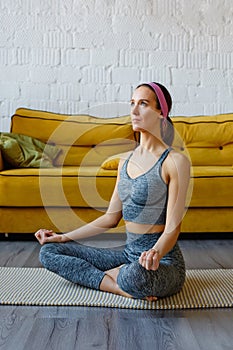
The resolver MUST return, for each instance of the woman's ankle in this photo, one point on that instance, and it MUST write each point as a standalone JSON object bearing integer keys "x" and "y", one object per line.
{"x": 108, "y": 284}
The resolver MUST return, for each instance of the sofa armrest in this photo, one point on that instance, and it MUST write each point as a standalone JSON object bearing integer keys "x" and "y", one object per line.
{"x": 1, "y": 161}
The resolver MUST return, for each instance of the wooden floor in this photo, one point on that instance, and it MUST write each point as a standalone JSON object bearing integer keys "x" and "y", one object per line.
{"x": 85, "y": 328}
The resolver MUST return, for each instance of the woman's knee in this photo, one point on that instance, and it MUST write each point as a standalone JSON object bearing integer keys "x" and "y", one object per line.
{"x": 46, "y": 253}
{"x": 133, "y": 279}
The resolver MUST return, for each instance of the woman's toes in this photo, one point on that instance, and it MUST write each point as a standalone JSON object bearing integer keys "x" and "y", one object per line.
{"x": 151, "y": 298}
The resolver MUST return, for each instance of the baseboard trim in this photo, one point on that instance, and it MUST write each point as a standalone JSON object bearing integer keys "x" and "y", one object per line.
{"x": 122, "y": 236}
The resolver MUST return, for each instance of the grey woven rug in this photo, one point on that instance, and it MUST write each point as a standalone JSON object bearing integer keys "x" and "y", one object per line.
{"x": 37, "y": 286}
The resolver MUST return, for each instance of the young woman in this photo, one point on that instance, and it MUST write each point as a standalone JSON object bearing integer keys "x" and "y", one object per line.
{"x": 150, "y": 194}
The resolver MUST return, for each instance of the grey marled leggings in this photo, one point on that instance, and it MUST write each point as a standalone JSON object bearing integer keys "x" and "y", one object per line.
{"x": 86, "y": 265}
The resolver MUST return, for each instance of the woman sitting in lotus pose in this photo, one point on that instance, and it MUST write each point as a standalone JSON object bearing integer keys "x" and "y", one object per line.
{"x": 150, "y": 195}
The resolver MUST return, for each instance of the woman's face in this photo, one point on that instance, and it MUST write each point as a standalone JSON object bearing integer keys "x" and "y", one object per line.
{"x": 144, "y": 114}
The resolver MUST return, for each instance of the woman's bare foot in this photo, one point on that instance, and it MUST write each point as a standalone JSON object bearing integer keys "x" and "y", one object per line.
{"x": 108, "y": 284}
{"x": 151, "y": 298}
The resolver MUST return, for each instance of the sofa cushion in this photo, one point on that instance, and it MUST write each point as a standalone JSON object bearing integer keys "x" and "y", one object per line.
{"x": 212, "y": 186}
{"x": 208, "y": 139}
{"x": 59, "y": 187}
{"x": 92, "y": 186}
{"x": 84, "y": 139}
{"x": 205, "y": 140}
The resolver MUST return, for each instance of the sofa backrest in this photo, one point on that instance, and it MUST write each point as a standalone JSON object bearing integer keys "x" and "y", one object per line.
{"x": 83, "y": 139}
{"x": 208, "y": 139}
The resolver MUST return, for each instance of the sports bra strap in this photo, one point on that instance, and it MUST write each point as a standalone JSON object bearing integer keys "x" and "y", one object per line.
{"x": 164, "y": 155}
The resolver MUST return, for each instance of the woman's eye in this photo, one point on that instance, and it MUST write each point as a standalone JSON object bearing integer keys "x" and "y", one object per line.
{"x": 141, "y": 103}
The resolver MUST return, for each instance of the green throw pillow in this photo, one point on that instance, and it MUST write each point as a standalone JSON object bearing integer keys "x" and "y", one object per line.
{"x": 23, "y": 151}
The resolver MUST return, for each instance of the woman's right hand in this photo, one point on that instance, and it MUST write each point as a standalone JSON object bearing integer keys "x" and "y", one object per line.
{"x": 48, "y": 236}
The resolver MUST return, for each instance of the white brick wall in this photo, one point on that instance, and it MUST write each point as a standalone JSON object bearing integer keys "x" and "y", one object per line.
{"x": 68, "y": 56}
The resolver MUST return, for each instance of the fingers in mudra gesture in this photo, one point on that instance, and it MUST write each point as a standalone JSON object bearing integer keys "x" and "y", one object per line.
{"x": 46, "y": 236}
{"x": 150, "y": 259}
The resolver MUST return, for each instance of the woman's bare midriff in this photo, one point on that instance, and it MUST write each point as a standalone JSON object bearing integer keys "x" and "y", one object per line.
{"x": 143, "y": 228}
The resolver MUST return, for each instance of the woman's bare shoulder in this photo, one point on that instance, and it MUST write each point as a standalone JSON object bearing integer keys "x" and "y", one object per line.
{"x": 179, "y": 158}
{"x": 178, "y": 162}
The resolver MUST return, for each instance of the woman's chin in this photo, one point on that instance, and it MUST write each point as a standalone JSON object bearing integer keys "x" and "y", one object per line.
{"x": 136, "y": 127}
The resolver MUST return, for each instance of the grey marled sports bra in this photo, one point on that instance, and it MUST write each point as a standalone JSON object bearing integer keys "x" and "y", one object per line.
{"x": 144, "y": 198}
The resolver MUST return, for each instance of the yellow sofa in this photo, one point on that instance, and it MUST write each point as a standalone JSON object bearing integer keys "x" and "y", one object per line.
{"x": 78, "y": 188}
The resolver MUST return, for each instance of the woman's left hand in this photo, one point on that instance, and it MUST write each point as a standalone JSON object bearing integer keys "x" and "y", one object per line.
{"x": 150, "y": 259}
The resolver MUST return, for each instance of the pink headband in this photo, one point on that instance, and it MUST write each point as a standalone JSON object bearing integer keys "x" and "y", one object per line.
{"x": 161, "y": 98}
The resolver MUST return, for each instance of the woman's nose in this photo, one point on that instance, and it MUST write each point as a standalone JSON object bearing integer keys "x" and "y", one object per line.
{"x": 134, "y": 109}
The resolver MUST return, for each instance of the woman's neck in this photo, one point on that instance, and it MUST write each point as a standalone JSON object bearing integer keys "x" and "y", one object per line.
{"x": 151, "y": 143}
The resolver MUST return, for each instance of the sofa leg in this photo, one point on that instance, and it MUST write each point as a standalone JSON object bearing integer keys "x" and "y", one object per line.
{"x": 6, "y": 235}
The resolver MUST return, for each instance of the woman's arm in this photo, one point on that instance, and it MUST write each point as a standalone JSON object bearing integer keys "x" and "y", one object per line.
{"x": 179, "y": 176}
{"x": 108, "y": 220}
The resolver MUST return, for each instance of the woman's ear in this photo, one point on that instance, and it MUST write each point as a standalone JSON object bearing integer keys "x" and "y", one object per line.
{"x": 163, "y": 127}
